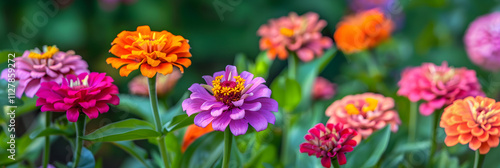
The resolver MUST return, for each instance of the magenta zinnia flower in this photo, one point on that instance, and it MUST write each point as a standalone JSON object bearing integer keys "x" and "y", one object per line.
{"x": 164, "y": 84}
{"x": 332, "y": 141}
{"x": 87, "y": 93}
{"x": 36, "y": 67}
{"x": 323, "y": 89}
{"x": 365, "y": 113}
{"x": 231, "y": 99}
{"x": 482, "y": 41}
{"x": 438, "y": 86}
{"x": 301, "y": 34}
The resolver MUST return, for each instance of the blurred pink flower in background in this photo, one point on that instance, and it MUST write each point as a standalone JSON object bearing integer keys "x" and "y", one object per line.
{"x": 323, "y": 89}
{"x": 332, "y": 141}
{"x": 301, "y": 34}
{"x": 365, "y": 113}
{"x": 482, "y": 41}
{"x": 36, "y": 67}
{"x": 363, "y": 5}
{"x": 164, "y": 84}
{"x": 438, "y": 86}
{"x": 110, "y": 5}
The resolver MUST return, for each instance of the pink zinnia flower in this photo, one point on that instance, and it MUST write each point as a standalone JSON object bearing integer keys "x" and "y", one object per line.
{"x": 438, "y": 86}
{"x": 164, "y": 84}
{"x": 482, "y": 41}
{"x": 363, "y": 5}
{"x": 36, "y": 67}
{"x": 233, "y": 100}
{"x": 365, "y": 113}
{"x": 87, "y": 93}
{"x": 332, "y": 141}
{"x": 323, "y": 89}
{"x": 301, "y": 34}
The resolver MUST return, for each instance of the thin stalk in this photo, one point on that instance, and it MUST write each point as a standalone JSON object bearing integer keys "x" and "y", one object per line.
{"x": 80, "y": 130}
{"x": 47, "y": 141}
{"x": 292, "y": 66}
{"x": 153, "y": 98}
{"x": 335, "y": 164}
{"x": 412, "y": 122}
{"x": 228, "y": 138}
{"x": 478, "y": 160}
{"x": 292, "y": 74}
{"x": 434, "y": 135}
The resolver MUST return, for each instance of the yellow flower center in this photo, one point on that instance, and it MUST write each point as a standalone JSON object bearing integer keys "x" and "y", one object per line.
{"x": 437, "y": 74}
{"x": 370, "y": 105}
{"x": 286, "y": 31}
{"x": 228, "y": 91}
{"x": 50, "y": 51}
{"x": 150, "y": 43}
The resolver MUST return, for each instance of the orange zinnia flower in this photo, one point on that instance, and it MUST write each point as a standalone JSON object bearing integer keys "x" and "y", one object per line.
{"x": 193, "y": 132}
{"x": 472, "y": 120}
{"x": 151, "y": 50}
{"x": 362, "y": 31}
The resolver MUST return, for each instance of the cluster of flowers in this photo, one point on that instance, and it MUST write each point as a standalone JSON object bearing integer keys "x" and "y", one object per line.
{"x": 232, "y": 100}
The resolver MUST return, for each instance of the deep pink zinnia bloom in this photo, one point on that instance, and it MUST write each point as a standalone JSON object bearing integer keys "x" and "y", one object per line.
{"x": 301, "y": 34}
{"x": 323, "y": 89}
{"x": 87, "y": 93}
{"x": 231, "y": 99}
{"x": 438, "y": 86}
{"x": 482, "y": 41}
{"x": 332, "y": 141}
{"x": 36, "y": 67}
{"x": 365, "y": 113}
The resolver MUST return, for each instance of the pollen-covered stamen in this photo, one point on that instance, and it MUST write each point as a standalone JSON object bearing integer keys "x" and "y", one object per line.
{"x": 370, "y": 104}
{"x": 228, "y": 91}
{"x": 48, "y": 52}
{"x": 79, "y": 84}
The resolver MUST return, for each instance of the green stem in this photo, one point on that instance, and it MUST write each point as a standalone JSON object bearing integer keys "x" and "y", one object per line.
{"x": 292, "y": 66}
{"x": 153, "y": 98}
{"x": 412, "y": 122}
{"x": 228, "y": 138}
{"x": 80, "y": 130}
{"x": 478, "y": 160}
{"x": 335, "y": 164}
{"x": 434, "y": 135}
{"x": 47, "y": 141}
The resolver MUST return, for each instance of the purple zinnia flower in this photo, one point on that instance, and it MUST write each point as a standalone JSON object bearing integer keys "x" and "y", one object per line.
{"x": 482, "y": 41}
{"x": 231, "y": 99}
{"x": 36, "y": 67}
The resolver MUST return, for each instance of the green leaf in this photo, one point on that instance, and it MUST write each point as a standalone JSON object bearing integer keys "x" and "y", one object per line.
{"x": 86, "y": 159}
{"x": 137, "y": 105}
{"x": 205, "y": 151}
{"x": 241, "y": 62}
{"x": 174, "y": 110}
{"x": 369, "y": 151}
{"x": 49, "y": 131}
{"x": 135, "y": 151}
{"x": 261, "y": 66}
{"x": 287, "y": 92}
{"x": 173, "y": 149}
{"x": 178, "y": 122}
{"x": 130, "y": 129}
{"x": 307, "y": 74}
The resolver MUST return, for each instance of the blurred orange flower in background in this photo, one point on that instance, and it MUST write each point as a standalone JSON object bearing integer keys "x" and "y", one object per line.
{"x": 472, "y": 120}
{"x": 363, "y": 31}
{"x": 193, "y": 132}
{"x": 152, "y": 51}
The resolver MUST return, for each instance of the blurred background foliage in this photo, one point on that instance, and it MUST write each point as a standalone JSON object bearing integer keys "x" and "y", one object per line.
{"x": 428, "y": 31}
